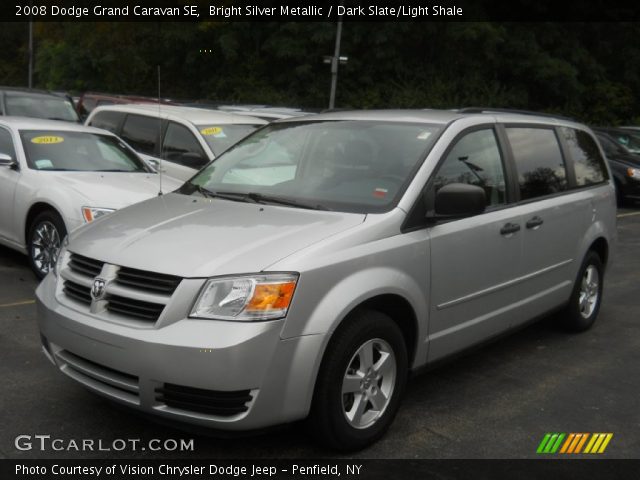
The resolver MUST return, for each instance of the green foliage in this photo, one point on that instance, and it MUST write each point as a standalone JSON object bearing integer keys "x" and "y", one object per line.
{"x": 589, "y": 71}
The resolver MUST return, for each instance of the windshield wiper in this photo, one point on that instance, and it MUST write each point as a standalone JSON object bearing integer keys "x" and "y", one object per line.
{"x": 262, "y": 198}
{"x": 203, "y": 191}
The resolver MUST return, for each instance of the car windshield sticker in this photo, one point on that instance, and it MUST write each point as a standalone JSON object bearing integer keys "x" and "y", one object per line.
{"x": 44, "y": 163}
{"x": 424, "y": 135}
{"x": 48, "y": 140}
{"x": 380, "y": 192}
{"x": 214, "y": 131}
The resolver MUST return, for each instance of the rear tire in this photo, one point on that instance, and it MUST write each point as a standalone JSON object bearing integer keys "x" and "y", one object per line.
{"x": 584, "y": 305}
{"x": 44, "y": 240}
{"x": 360, "y": 383}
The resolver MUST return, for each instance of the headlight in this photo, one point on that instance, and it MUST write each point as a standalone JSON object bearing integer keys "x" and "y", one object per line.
{"x": 633, "y": 173}
{"x": 256, "y": 297}
{"x": 89, "y": 214}
{"x": 61, "y": 254}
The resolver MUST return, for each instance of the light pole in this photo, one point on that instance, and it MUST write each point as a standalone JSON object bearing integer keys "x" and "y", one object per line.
{"x": 334, "y": 61}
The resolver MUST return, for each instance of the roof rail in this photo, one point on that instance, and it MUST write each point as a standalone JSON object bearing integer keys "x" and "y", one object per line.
{"x": 512, "y": 110}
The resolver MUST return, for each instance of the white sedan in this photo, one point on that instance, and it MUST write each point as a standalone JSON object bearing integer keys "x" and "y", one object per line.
{"x": 57, "y": 176}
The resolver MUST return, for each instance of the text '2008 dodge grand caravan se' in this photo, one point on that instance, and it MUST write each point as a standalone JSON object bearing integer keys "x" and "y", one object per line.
{"x": 309, "y": 268}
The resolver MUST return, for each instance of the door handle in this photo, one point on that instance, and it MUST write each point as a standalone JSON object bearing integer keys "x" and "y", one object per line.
{"x": 535, "y": 222}
{"x": 509, "y": 228}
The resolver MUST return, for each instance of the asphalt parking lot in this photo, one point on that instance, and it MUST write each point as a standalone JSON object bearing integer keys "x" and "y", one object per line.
{"x": 495, "y": 402}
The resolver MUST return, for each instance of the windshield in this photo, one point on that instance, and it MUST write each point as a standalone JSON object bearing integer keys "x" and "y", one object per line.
{"x": 41, "y": 106}
{"x": 630, "y": 141}
{"x": 221, "y": 137}
{"x": 352, "y": 166}
{"x": 84, "y": 151}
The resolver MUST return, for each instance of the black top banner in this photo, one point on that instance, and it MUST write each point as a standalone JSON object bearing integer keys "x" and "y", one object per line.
{"x": 316, "y": 11}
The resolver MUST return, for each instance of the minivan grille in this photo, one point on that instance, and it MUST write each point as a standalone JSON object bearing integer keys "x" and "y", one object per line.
{"x": 210, "y": 402}
{"x": 129, "y": 293}
{"x": 134, "y": 308}
{"x": 77, "y": 292}
{"x": 85, "y": 266}
{"x": 148, "y": 281}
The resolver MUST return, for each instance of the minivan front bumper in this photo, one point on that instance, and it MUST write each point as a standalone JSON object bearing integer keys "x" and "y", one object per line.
{"x": 218, "y": 374}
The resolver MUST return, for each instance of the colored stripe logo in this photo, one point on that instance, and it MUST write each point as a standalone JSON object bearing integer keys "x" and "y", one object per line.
{"x": 574, "y": 443}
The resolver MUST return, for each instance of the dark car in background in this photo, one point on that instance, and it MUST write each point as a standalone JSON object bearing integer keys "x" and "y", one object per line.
{"x": 627, "y": 138}
{"x": 625, "y": 166}
{"x": 30, "y": 102}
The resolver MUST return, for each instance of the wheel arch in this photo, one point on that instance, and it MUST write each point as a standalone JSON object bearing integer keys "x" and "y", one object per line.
{"x": 35, "y": 210}
{"x": 601, "y": 247}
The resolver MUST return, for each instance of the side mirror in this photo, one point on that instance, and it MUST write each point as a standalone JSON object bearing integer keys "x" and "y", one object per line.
{"x": 458, "y": 200}
{"x": 7, "y": 161}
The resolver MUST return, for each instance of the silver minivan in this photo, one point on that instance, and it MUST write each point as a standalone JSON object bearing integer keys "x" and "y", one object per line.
{"x": 306, "y": 271}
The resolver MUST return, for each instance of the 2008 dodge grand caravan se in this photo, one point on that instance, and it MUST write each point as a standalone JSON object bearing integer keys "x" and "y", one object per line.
{"x": 311, "y": 267}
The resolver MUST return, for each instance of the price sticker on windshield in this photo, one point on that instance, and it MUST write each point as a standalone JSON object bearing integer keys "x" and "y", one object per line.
{"x": 47, "y": 140}
{"x": 211, "y": 131}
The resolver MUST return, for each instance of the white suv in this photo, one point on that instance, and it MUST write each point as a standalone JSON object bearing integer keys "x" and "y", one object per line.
{"x": 183, "y": 139}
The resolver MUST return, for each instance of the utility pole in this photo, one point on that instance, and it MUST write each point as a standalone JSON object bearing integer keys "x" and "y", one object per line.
{"x": 334, "y": 61}
{"x": 334, "y": 65}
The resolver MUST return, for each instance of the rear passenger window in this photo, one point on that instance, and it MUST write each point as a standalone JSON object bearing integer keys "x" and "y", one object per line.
{"x": 107, "y": 120}
{"x": 539, "y": 163}
{"x": 475, "y": 159}
{"x": 588, "y": 163}
{"x": 141, "y": 133}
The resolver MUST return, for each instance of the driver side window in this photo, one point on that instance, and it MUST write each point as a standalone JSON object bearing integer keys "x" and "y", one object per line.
{"x": 475, "y": 160}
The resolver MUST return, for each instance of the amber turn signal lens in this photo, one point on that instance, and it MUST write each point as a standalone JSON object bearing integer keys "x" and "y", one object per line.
{"x": 272, "y": 296}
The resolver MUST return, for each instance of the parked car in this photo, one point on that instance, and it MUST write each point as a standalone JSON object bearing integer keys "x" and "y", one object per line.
{"x": 626, "y": 138}
{"x": 30, "y": 102}
{"x": 318, "y": 261}
{"x": 183, "y": 139}
{"x": 625, "y": 168}
{"x": 264, "y": 111}
{"x": 57, "y": 176}
{"x": 89, "y": 101}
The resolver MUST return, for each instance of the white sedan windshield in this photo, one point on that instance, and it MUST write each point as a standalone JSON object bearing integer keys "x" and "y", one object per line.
{"x": 68, "y": 150}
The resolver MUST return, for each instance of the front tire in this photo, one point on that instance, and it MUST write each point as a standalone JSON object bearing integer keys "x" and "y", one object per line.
{"x": 584, "y": 305}
{"x": 44, "y": 241}
{"x": 360, "y": 383}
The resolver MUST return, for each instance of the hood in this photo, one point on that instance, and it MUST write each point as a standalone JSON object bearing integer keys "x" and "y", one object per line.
{"x": 113, "y": 189}
{"x": 628, "y": 159}
{"x": 191, "y": 236}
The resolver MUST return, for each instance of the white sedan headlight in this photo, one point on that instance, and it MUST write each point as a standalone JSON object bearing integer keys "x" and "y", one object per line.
{"x": 89, "y": 214}
{"x": 246, "y": 298}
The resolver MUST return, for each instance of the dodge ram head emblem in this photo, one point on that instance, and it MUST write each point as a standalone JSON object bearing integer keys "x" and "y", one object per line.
{"x": 97, "y": 289}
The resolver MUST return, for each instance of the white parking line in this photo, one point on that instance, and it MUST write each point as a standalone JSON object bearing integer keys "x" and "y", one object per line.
{"x": 630, "y": 214}
{"x": 17, "y": 304}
